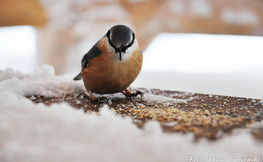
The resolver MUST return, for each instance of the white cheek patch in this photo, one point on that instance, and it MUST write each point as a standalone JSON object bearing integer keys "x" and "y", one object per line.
{"x": 108, "y": 46}
{"x": 130, "y": 50}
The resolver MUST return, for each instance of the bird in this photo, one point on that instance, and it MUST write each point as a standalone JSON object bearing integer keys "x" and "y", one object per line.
{"x": 112, "y": 64}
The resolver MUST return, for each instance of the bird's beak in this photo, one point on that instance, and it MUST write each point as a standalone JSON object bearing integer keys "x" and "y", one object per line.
{"x": 120, "y": 55}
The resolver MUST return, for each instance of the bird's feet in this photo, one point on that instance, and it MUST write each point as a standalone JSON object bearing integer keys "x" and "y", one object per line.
{"x": 95, "y": 99}
{"x": 129, "y": 94}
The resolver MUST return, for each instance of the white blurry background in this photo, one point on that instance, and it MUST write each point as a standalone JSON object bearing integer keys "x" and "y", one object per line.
{"x": 201, "y": 63}
{"x": 18, "y": 48}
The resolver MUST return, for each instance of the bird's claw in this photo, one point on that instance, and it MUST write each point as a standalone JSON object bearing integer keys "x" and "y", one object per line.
{"x": 95, "y": 99}
{"x": 129, "y": 94}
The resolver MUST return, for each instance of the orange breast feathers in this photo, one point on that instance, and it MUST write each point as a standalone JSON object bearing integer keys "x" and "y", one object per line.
{"x": 106, "y": 74}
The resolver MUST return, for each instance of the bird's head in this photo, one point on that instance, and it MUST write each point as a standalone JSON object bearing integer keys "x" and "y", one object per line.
{"x": 120, "y": 37}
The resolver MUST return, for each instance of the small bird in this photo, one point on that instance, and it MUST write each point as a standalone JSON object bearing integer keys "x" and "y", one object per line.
{"x": 112, "y": 64}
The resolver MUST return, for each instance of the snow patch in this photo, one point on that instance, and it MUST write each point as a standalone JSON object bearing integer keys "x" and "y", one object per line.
{"x": 162, "y": 99}
{"x": 10, "y": 73}
{"x": 171, "y": 124}
{"x": 41, "y": 82}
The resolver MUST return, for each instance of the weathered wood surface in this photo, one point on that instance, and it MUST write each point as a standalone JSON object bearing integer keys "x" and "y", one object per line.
{"x": 210, "y": 116}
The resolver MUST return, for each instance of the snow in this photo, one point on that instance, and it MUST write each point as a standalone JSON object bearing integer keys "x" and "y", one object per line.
{"x": 9, "y": 73}
{"x": 41, "y": 82}
{"x": 35, "y": 132}
{"x": 162, "y": 99}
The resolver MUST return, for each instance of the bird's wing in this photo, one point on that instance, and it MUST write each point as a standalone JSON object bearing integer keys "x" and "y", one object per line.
{"x": 93, "y": 52}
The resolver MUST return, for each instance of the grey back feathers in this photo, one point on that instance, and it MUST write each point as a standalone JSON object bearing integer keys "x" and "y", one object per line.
{"x": 93, "y": 52}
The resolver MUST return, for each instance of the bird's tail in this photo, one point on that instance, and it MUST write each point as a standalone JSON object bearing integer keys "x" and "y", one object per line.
{"x": 78, "y": 77}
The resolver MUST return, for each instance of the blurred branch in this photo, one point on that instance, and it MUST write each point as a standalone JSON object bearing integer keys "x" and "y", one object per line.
{"x": 22, "y": 12}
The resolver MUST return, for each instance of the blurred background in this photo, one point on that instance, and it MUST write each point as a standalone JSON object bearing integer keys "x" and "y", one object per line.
{"x": 200, "y": 46}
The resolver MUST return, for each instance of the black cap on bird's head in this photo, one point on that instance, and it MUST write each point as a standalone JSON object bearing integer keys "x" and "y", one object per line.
{"x": 120, "y": 38}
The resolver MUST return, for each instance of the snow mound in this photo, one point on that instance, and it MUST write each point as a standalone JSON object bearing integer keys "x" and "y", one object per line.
{"x": 10, "y": 73}
{"x": 41, "y": 82}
